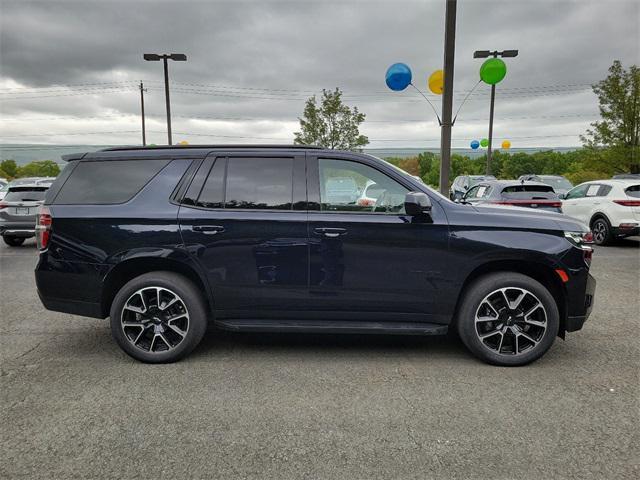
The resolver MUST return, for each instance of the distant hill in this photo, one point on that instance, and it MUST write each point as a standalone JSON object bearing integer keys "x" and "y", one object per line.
{"x": 25, "y": 153}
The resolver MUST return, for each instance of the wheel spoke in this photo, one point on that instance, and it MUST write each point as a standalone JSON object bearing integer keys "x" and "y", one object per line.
{"x": 134, "y": 309}
{"x": 164, "y": 339}
{"x": 501, "y": 341}
{"x": 522, "y": 334}
{"x": 513, "y": 305}
{"x": 179, "y": 331}
{"x": 490, "y": 334}
{"x": 168, "y": 304}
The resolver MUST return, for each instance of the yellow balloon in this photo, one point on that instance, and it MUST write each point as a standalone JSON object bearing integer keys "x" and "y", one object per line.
{"x": 183, "y": 142}
{"x": 436, "y": 82}
{"x": 506, "y": 144}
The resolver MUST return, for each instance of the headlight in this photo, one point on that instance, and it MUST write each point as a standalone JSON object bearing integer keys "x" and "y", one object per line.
{"x": 579, "y": 238}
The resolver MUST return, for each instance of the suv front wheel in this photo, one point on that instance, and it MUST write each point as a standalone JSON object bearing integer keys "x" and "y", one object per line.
{"x": 13, "y": 241}
{"x": 508, "y": 319}
{"x": 158, "y": 317}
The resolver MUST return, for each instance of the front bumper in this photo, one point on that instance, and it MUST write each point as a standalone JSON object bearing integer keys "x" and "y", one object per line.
{"x": 575, "y": 322}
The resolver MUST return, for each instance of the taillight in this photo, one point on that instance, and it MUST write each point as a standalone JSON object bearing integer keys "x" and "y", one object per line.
{"x": 43, "y": 227}
{"x": 628, "y": 203}
{"x": 3, "y": 205}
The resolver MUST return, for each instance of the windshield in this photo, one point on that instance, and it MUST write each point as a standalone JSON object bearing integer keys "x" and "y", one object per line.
{"x": 558, "y": 182}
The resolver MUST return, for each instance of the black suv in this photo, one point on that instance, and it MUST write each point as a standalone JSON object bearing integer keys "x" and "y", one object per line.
{"x": 283, "y": 238}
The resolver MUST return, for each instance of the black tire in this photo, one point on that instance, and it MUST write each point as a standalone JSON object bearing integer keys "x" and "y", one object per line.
{"x": 602, "y": 234}
{"x": 13, "y": 241}
{"x": 189, "y": 299}
{"x": 469, "y": 331}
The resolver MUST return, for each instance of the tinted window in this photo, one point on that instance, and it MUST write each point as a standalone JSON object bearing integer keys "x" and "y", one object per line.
{"x": 111, "y": 181}
{"x": 527, "y": 188}
{"x": 259, "y": 183}
{"x": 25, "y": 195}
{"x": 354, "y": 187}
{"x": 479, "y": 191}
{"x": 212, "y": 195}
{"x": 633, "y": 191}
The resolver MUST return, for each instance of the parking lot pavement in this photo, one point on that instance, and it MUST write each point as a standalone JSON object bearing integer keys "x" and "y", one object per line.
{"x": 309, "y": 406}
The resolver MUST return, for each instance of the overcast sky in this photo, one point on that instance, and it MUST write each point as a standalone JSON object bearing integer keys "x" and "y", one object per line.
{"x": 69, "y": 70}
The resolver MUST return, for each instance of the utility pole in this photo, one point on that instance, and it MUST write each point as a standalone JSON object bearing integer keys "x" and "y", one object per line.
{"x": 144, "y": 134}
{"x": 447, "y": 97}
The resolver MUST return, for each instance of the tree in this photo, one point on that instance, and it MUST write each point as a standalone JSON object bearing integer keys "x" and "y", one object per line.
{"x": 619, "y": 127}
{"x": 43, "y": 168}
{"x": 9, "y": 167}
{"x": 331, "y": 124}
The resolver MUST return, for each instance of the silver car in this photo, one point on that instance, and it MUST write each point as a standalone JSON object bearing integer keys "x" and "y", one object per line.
{"x": 19, "y": 212}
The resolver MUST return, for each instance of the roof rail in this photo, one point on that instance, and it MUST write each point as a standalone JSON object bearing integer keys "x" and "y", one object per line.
{"x": 247, "y": 146}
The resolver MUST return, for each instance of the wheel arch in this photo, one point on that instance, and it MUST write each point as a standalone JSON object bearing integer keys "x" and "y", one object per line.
{"x": 598, "y": 215}
{"x": 134, "y": 267}
{"x": 540, "y": 272}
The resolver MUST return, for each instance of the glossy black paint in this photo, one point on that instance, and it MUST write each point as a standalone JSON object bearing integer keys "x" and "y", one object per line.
{"x": 303, "y": 263}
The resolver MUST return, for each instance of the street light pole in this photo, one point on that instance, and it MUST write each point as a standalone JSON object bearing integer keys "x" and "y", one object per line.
{"x": 493, "y": 99}
{"x": 178, "y": 57}
{"x": 447, "y": 96}
{"x": 494, "y": 54}
{"x": 166, "y": 97}
{"x": 144, "y": 133}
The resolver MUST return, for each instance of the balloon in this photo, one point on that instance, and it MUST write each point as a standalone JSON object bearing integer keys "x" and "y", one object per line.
{"x": 183, "y": 142}
{"x": 484, "y": 142}
{"x": 475, "y": 144}
{"x": 493, "y": 71}
{"x": 398, "y": 76}
{"x": 506, "y": 144}
{"x": 436, "y": 82}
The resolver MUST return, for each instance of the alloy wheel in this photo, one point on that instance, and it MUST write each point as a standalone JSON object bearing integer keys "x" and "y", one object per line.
{"x": 155, "y": 319}
{"x": 599, "y": 231}
{"x": 510, "y": 321}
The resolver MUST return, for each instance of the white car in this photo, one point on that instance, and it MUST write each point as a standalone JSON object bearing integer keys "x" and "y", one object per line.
{"x": 610, "y": 207}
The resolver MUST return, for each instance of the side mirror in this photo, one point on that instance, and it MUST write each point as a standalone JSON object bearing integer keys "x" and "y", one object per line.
{"x": 465, "y": 186}
{"x": 562, "y": 196}
{"x": 417, "y": 203}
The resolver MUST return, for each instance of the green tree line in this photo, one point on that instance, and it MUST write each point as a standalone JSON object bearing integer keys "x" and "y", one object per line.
{"x": 10, "y": 170}
{"x": 589, "y": 163}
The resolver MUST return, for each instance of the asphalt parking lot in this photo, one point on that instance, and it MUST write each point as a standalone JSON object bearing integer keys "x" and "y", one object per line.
{"x": 306, "y": 406}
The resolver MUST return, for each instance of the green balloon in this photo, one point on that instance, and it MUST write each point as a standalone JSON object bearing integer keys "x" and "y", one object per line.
{"x": 493, "y": 71}
{"x": 484, "y": 142}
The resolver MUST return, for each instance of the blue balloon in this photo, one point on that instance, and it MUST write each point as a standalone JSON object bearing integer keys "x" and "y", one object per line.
{"x": 475, "y": 144}
{"x": 398, "y": 76}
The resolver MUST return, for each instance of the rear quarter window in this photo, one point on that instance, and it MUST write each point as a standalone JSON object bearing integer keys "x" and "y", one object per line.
{"x": 527, "y": 188}
{"x": 107, "y": 182}
{"x": 633, "y": 191}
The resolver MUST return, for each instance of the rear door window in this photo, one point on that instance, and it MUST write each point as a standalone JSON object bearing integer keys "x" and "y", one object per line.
{"x": 108, "y": 181}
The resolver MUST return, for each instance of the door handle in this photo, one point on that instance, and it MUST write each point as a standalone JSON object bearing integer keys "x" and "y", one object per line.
{"x": 330, "y": 232}
{"x": 208, "y": 229}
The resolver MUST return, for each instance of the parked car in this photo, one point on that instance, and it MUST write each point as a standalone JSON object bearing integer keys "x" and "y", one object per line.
{"x": 255, "y": 238}
{"x": 627, "y": 176}
{"x": 559, "y": 183}
{"x": 514, "y": 193}
{"x": 610, "y": 207}
{"x": 463, "y": 183}
{"x": 19, "y": 211}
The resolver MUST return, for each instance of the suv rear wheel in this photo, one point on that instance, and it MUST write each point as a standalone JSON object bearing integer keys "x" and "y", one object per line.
{"x": 13, "y": 241}
{"x": 158, "y": 317}
{"x": 601, "y": 229}
{"x": 508, "y": 319}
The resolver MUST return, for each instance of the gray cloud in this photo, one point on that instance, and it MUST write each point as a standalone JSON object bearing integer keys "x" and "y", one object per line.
{"x": 251, "y": 64}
